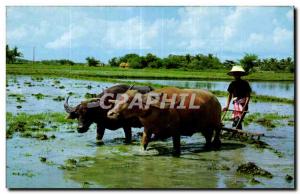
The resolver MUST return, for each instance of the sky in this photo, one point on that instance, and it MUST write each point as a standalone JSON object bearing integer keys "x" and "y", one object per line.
{"x": 104, "y": 32}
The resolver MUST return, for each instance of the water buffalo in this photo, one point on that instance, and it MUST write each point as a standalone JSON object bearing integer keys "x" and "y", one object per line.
{"x": 91, "y": 111}
{"x": 204, "y": 115}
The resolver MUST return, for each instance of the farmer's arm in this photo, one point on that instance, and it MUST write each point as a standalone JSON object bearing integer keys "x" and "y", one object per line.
{"x": 247, "y": 101}
{"x": 249, "y": 90}
{"x": 228, "y": 102}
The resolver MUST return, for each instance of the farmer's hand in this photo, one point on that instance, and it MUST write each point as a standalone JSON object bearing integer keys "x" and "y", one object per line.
{"x": 244, "y": 109}
{"x": 225, "y": 108}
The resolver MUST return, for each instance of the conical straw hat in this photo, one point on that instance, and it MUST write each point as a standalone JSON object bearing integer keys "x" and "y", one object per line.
{"x": 237, "y": 70}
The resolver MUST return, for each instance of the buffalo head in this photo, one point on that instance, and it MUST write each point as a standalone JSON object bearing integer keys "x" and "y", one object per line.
{"x": 84, "y": 113}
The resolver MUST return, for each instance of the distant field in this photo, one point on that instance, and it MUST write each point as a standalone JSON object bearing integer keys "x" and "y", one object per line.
{"x": 84, "y": 72}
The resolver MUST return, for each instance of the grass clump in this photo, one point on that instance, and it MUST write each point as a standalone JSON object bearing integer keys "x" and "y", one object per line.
{"x": 89, "y": 95}
{"x": 28, "y": 174}
{"x": 71, "y": 93}
{"x": 288, "y": 178}
{"x": 29, "y": 84}
{"x": 31, "y": 125}
{"x": 69, "y": 164}
{"x": 43, "y": 159}
{"x": 85, "y": 158}
{"x": 253, "y": 181}
{"x": 291, "y": 123}
{"x": 56, "y": 82}
{"x": 251, "y": 168}
{"x": 46, "y": 161}
{"x": 19, "y": 97}
{"x": 269, "y": 120}
{"x": 39, "y": 96}
{"x": 16, "y": 95}
{"x": 37, "y": 79}
{"x": 59, "y": 98}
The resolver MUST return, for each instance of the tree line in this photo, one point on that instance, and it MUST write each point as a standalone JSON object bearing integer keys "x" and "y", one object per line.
{"x": 250, "y": 62}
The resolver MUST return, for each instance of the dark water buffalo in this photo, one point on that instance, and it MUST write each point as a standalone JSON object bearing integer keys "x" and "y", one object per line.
{"x": 173, "y": 122}
{"x": 90, "y": 111}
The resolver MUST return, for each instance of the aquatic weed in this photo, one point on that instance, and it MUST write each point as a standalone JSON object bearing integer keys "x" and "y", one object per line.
{"x": 28, "y": 123}
{"x": 28, "y": 174}
{"x": 251, "y": 168}
{"x": 59, "y": 98}
{"x": 39, "y": 96}
{"x": 89, "y": 95}
{"x": 288, "y": 178}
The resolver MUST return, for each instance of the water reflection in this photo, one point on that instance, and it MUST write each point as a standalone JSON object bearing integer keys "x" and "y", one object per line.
{"x": 279, "y": 89}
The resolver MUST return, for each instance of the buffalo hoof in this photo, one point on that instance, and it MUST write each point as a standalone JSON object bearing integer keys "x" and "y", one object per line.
{"x": 127, "y": 141}
{"x": 216, "y": 143}
{"x": 145, "y": 147}
{"x": 176, "y": 153}
{"x": 99, "y": 142}
{"x": 208, "y": 145}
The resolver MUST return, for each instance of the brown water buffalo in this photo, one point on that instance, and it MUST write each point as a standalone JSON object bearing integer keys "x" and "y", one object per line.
{"x": 91, "y": 111}
{"x": 199, "y": 112}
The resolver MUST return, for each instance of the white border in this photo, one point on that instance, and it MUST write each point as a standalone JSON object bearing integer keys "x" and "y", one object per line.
{"x": 5, "y": 3}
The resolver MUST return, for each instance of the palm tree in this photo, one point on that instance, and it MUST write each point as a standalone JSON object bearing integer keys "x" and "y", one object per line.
{"x": 12, "y": 54}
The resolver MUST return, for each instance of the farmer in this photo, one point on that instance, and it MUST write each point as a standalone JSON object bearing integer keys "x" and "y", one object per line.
{"x": 239, "y": 91}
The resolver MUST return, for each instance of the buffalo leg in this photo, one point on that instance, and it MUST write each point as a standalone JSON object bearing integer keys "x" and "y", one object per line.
{"x": 127, "y": 131}
{"x": 217, "y": 142}
{"x": 176, "y": 145}
{"x": 100, "y": 133}
{"x": 145, "y": 139}
{"x": 208, "y": 136}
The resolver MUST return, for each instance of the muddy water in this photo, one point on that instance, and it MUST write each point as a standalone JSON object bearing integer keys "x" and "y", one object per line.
{"x": 115, "y": 165}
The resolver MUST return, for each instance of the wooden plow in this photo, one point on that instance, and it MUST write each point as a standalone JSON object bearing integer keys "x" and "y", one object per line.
{"x": 238, "y": 132}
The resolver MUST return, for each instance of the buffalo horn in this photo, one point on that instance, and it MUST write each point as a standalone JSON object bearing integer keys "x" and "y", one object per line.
{"x": 130, "y": 87}
{"x": 68, "y": 108}
{"x": 112, "y": 101}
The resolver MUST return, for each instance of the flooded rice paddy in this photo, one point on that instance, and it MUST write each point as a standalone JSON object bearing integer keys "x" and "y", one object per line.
{"x": 283, "y": 89}
{"x": 73, "y": 160}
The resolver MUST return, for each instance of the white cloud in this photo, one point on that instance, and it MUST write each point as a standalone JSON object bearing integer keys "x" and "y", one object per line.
{"x": 282, "y": 36}
{"x": 190, "y": 30}
{"x": 240, "y": 30}
{"x": 130, "y": 34}
{"x": 256, "y": 38}
{"x": 61, "y": 42}
{"x": 16, "y": 34}
{"x": 65, "y": 40}
{"x": 27, "y": 32}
